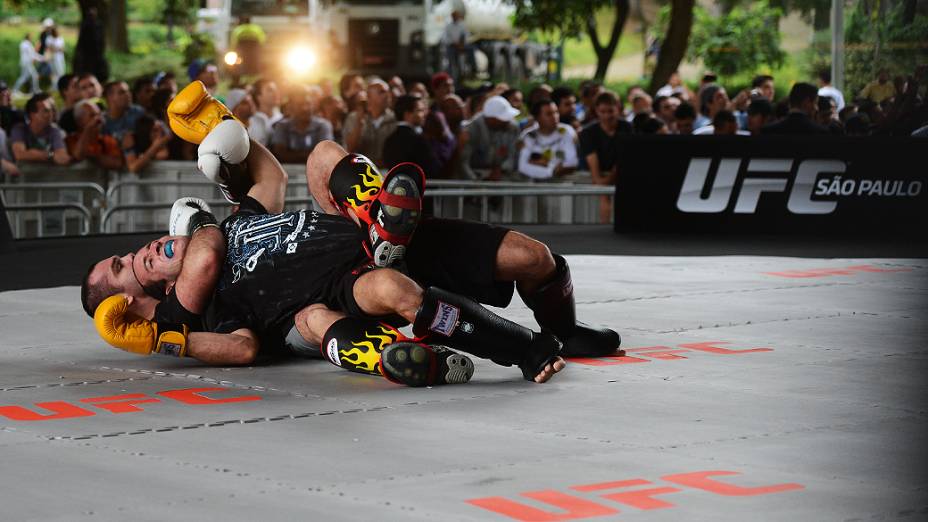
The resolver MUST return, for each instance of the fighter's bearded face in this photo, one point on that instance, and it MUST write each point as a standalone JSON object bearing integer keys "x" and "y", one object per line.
{"x": 153, "y": 266}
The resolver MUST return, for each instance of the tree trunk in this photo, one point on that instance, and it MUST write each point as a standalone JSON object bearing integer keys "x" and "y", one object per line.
{"x": 908, "y": 14}
{"x": 604, "y": 52}
{"x": 673, "y": 48}
{"x": 118, "y": 25}
{"x": 821, "y": 17}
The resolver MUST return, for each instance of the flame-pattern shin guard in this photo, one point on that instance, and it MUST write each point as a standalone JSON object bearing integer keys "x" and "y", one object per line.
{"x": 467, "y": 326}
{"x": 389, "y": 207}
{"x": 555, "y": 311}
{"x": 366, "y": 346}
{"x": 355, "y": 344}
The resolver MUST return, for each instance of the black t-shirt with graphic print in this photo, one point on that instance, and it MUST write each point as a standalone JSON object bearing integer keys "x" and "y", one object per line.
{"x": 277, "y": 264}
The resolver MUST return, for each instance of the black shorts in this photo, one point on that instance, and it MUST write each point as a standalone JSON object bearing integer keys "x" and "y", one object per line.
{"x": 459, "y": 256}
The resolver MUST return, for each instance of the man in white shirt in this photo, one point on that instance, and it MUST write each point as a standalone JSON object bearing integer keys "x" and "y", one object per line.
{"x": 548, "y": 147}
{"x": 826, "y": 89}
{"x": 27, "y": 58}
{"x": 455, "y": 40}
{"x": 261, "y": 123}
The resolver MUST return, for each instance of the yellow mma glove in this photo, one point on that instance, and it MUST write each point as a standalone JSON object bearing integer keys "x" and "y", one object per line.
{"x": 132, "y": 334}
{"x": 194, "y": 113}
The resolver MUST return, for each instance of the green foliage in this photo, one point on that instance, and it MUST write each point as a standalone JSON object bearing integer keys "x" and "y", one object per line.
{"x": 563, "y": 18}
{"x": 743, "y": 40}
{"x": 874, "y": 42}
{"x": 201, "y": 46}
{"x": 150, "y": 52}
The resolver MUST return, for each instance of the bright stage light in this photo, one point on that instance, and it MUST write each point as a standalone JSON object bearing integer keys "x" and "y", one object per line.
{"x": 231, "y": 58}
{"x": 301, "y": 59}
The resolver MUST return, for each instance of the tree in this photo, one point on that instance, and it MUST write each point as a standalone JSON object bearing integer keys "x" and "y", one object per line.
{"x": 674, "y": 42}
{"x": 741, "y": 40}
{"x": 570, "y": 18}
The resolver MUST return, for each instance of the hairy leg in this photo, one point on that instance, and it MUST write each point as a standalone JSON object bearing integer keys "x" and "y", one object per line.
{"x": 313, "y": 321}
{"x": 386, "y": 291}
{"x": 524, "y": 260}
{"x": 319, "y": 166}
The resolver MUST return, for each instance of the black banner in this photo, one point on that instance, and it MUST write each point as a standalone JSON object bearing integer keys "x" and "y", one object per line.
{"x": 777, "y": 184}
{"x": 6, "y": 233}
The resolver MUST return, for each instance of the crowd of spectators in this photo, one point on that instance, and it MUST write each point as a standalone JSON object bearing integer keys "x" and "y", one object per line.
{"x": 490, "y": 132}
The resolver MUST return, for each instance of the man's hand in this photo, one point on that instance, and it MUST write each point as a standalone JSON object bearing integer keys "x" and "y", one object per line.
{"x": 189, "y": 215}
{"x": 136, "y": 335}
{"x": 194, "y": 113}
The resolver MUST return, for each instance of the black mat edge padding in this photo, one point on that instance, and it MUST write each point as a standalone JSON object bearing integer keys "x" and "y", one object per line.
{"x": 6, "y": 233}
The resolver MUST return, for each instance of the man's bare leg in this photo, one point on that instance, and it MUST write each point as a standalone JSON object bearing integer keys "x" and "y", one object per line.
{"x": 319, "y": 166}
{"x": 543, "y": 281}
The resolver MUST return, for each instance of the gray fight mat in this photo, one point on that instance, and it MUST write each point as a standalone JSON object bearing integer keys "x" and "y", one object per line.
{"x": 755, "y": 388}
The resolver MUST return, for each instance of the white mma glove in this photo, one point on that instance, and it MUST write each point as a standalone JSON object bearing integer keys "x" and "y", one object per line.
{"x": 189, "y": 214}
{"x": 227, "y": 142}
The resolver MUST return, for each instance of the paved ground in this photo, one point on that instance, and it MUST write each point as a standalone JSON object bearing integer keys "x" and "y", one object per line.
{"x": 755, "y": 388}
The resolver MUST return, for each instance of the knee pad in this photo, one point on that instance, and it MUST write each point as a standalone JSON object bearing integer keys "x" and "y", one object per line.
{"x": 389, "y": 208}
{"x": 355, "y": 344}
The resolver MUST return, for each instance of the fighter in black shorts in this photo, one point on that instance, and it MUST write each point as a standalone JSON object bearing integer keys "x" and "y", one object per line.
{"x": 484, "y": 262}
{"x": 278, "y": 264}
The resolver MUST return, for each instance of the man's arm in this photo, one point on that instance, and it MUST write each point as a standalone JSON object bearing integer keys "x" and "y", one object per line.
{"x": 269, "y": 177}
{"x": 202, "y": 267}
{"x": 21, "y": 153}
{"x": 236, "y": 348}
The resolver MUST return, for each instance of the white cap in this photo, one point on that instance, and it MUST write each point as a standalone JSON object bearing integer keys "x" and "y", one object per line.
{"x": 48, "y": 22}
{"x": 235, "y": 97}
{"x": 497, "y": 107}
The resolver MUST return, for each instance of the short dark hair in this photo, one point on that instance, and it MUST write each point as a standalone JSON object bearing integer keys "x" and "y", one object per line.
{"x": 589, "y": 87}
{"x": 723, "y": 116}
{"x": 165, "y": 77}
{"x": 509, "y": 92}
{"x": 64, "y": 82}
{"x": 93, "y": 295}
{"x": 32, "y": 106}
{"x": 705, "y": 98}
{"x": 802, "y": 92}
{"x": 404, "y": 104}
{"x": 535, "y": 109}
{"x": 824, "y": 75}
{"x": 606, "y": 98}
{"x": 108, "y": 88}
{"x": 760, "y": 79}
{"x": 685, "y": 111}
{"x": 857, "y": 125}
{"x": 140, "y": 84}
{"x": 258, "y": 86}
{"x": 560, "y": 93}
{"x": 656, "y": 104}
{"x": 824, "y": 103}
{"x": 647, "y": 124}
{"x": 760, "y": 106}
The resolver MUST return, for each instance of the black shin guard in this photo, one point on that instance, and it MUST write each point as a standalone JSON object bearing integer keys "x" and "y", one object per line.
{"x": 555, "y": 311}
{"x": 366, "y": 346}
{"x": 474, "y": 329}
{"x": 356, "y": 344}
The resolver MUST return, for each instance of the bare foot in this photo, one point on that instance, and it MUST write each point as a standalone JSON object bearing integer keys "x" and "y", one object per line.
{"x": 550, "y": 369}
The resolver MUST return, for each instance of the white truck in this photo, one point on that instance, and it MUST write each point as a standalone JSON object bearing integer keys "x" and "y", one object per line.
{"x": 384, "y": 37}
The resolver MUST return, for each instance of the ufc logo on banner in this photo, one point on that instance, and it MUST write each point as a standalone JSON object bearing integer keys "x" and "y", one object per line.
{"x": 726, "y": 177}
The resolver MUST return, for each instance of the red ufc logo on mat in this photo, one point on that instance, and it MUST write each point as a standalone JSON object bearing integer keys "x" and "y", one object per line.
{"x": 126, "y": 403}
{"x": 665, "y": 353}
{"x": 828, "y": 272}
{"x": 572, "y": 507}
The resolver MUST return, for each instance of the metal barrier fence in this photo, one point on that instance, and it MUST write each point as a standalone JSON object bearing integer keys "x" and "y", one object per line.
{"x": 48, "y": 200}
